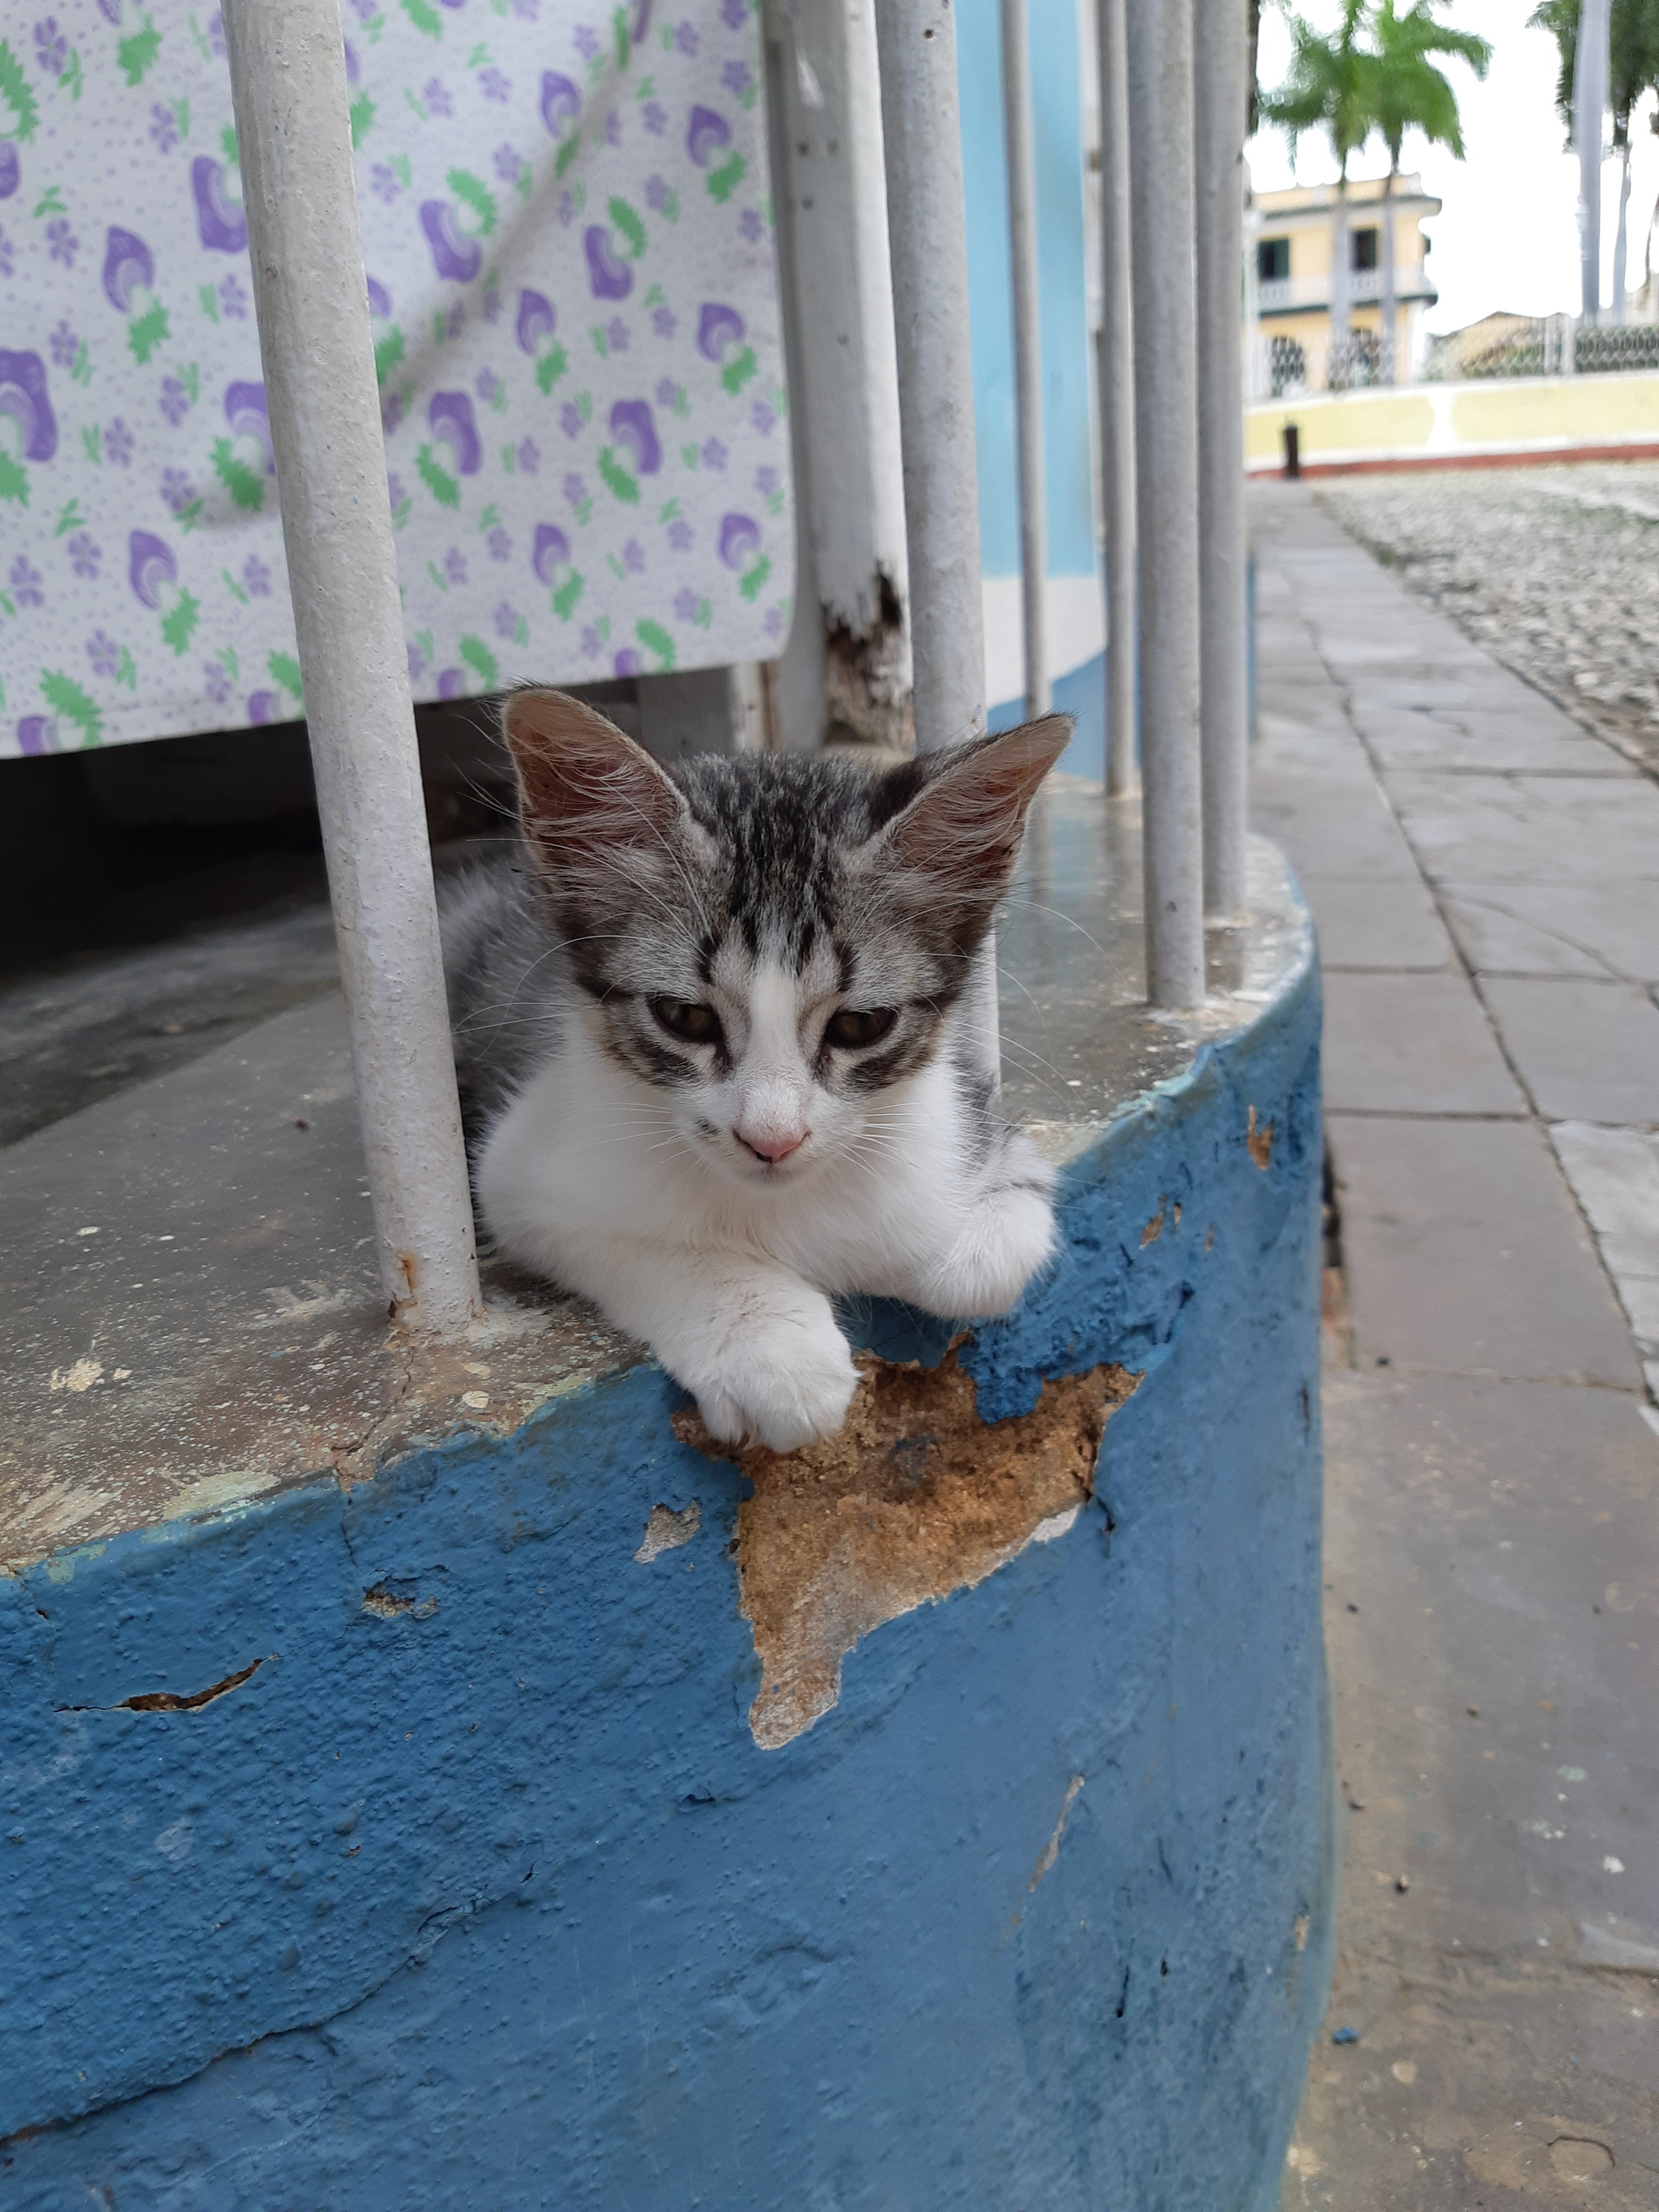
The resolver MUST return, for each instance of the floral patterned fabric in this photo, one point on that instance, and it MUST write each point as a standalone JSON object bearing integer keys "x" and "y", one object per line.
{"x": 567, "y": 230}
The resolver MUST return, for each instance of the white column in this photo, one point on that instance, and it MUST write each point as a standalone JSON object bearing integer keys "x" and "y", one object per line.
{"x": 1023, "y": 249}
{"x": 1221, "y": 90}
{"x": 1589, "y": 100}
{"x": 1160, "y": 49}
{"x": 927, "y": 240}
{"x": 288, "y": 80}
{"x": 1116, "y": 385}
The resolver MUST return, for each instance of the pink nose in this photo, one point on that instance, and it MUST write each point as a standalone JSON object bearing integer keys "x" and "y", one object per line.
{"x": 773, "y": 1148}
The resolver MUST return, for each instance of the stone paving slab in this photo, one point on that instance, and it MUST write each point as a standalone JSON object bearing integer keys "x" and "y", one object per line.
{"x": 1377, "y": 925}
{"x": 1588, "y": 1050}
{"x": 1465, "y": 1254}
{"x": 1492, "y": 740}
{"x": 1610, "y": 928}
{"x": 1359, "y": 838}
{"x": 1417, "y": 1043}
{"x": 1529, "y": 829}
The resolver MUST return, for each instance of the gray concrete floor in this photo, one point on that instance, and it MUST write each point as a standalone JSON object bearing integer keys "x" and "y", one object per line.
{"x": 1485, "y": 874}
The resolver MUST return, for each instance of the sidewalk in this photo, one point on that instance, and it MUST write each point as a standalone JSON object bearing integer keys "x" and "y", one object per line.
{"x": 1485, "y": 880}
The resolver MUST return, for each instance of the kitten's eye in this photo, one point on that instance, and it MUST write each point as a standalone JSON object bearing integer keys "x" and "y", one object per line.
{"x": 851, "y": 1030}
{"x": 686, "y": 1019}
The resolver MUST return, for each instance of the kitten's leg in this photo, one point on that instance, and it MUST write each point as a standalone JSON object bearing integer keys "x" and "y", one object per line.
{"x": 1007, "y": 1237}
{"x": 757, "y": 1347}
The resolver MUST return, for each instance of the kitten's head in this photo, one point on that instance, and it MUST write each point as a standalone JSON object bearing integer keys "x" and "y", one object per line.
{"x": 772, "y": 941}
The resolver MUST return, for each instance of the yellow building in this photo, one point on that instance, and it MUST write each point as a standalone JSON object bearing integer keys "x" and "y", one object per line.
{"x": 1292, "y": 287}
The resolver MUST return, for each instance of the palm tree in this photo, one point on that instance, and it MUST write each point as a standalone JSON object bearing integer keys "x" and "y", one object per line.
{"x": 1325, "y": 89}
{"x": 1633, "y": 66}
{"x": 1407, "y": 92}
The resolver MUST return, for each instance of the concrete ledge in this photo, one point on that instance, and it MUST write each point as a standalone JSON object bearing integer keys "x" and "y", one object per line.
{"x": 517, "y": 1803}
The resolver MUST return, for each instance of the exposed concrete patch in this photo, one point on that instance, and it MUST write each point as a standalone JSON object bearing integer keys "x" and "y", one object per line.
{"x": 914, "y": 1499}
{"x": 666, "y": 1530}
{"x": 1051, "y": 1849}
{"x": 1259, "y": 1141}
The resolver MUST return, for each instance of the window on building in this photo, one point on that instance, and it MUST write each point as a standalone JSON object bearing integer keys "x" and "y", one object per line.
{"x": 1273, "y": 258}
{"x": 1365, "y": 248}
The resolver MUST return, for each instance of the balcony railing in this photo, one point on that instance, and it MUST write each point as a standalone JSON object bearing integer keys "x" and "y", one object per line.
{"x": 1277, "y": 294}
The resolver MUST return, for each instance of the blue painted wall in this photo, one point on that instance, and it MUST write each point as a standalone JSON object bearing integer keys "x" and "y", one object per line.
{"x": 1056, "y": 101}
{"x": 494, "y": 1904}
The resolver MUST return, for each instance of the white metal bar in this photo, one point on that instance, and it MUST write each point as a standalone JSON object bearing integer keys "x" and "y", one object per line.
{"x": 927, "y": 244}
{"x": 1160, "y": 50}
{"x": 1221, "y": 88}
{"x": 1116, "y": 386}
{"x": 1589, "y": 100}
{"x": 287, "y": 80}
{"x": 1023, "y": 250}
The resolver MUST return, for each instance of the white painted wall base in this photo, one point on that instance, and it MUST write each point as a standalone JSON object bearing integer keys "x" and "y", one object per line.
{"x": 1074, "y": 624}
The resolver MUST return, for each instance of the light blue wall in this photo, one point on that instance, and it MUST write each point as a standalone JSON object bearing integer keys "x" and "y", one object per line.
{"x": 1056, "y": 96}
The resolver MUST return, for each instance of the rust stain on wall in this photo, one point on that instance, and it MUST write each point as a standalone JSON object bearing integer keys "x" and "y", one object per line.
{"x": 914, "y": 1499}
{"x": 1259, "y": 1141}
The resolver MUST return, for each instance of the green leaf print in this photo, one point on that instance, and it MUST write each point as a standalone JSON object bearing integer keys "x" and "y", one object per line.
{"x": 90, "y": 445}
{"x": 565, "y": 599}
{"x": 567, "y": 154}
{"x": 628, "y": 222}
{"x": 81, "y": 372}
{"x": 137, "y": 53}
{"x": 750, "y": 585}
{"x": 126, "y": 671}
{"x": 70, "y": 80}
{"x": 424, "y": 18}
{"x": 362, "y": 114}
{"x": 624, "y": 44}
{"x": 235, "y": 588}
{"x": 478, "y": 658}
{"x": 14, "y": 481}
{"x": 15, "y": 93}
{"x": 388, "y": 352}
{"x": 285, "y": 669}
{"x": 70, "y": 518}
{"x": 437, "y": 480}
{"x": 66, "y": 697}
{"x": 179, "y": 626}
{"x": 148, "y": 333}
{"x": 228, "y": 147}
{"x": 655, "y": 639}
{"x": 739, "y": 370}
{"x": 550, "y": 368}
{"x": 50, "y": 201}
{"x": 246, "y": 487}
{"x": 478, "y": 196}
{"x": 618, "y": 479}
{"x": 724, "y": 180}
{"x": 208, "y": 300}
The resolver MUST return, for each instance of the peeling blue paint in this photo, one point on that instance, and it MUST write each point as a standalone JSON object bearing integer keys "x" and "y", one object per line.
{"x": 481, "y": 1897}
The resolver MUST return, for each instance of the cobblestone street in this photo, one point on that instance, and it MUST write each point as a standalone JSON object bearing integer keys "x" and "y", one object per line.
{"x": 1555, "y": 571}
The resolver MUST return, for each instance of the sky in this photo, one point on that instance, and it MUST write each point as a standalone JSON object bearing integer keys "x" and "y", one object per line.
{"x": 1508, "y": 237}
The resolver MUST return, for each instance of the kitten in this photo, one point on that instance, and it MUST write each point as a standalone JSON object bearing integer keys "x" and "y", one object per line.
{"x": 712, "y": 1032}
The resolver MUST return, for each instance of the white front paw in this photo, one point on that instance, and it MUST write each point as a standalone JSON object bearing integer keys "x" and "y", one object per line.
{"x": 782, "y": 1377}
{"x": 1008, "y": 1237}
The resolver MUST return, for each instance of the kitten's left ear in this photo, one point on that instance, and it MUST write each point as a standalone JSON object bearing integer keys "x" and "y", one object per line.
{"x": 966, "y": 822}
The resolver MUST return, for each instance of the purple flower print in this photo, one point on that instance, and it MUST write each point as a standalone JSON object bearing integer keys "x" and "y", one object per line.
{"x": 656, "y": 194}
{"x": 457, "y": 319}
{"x": 488, "y": 386}
{"x": 64, "y": 346}
{"x": 527, "y": 10}
{"x": 216, "y": 28}
{"x": 565, "y": 210}
{"x": 766, "y": 482}
{"x": 215, "y": 681}
{"x": 391, "y": 412}
{"x": 395, "y": 494}
{"x": 574, "y": 490}
{"x": 763, "y": 417}
{"x": 773, "y": 624}
{"x": 752, "y": 224}
{"x": 174, "y": 401}
{"x": 490, "y": 304}
{"x": 256, "y": 578}
{"x": 509, "y": 163}
{"x": 668, "y": 392}
{"x": 586, "y": 40}
{"x": 634, "y": 557}
{"x": 5, "y": 255}
{"x": 495, "y": 85}
{"x": 570, "y": 419}
{"x": 736, "y": 78}
{"x": 616, "y": 335}
{"x": 163, "y": 127}
{"x": 590, "y": 641}
{"x": 177, "y": 489}
{"x": 530, "y": 457}
{"x": 685, "y": 606}
{"x": 507, "y": 619}
{"x": 686, "y": 38}
{"x": 25, "y": 583}
{"x": 103, "y": 653}
{"x": 664, "y": 322}
{"x": 435, "y": 93}
{"x": 455, "y": 565}
{"x": 734, "y": 14}
{"x": 681, "y": 535}
{"x": 654, "y": 116}
{"x": 84, "y": 555}
{"x": 383, "y": 182}
{"x": 233, "y": 299}
{"x": 714, "y": 454}
{"x": 500, "y": 542}
{"x": 62, "y": 241}
{"x": 416, "y": 663}
{"x": 51, "y": 47}
{"x": 119, "y": 444}
{"x": 613, "y": 129}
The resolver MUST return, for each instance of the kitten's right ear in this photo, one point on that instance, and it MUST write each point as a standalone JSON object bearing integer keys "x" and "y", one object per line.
{"x": 586, "y": 789}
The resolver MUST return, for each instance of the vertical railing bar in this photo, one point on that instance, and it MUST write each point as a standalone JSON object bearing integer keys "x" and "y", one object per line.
{"x": 1160, "y": 81}
{"x": 1022, "y": 253}
{"x": 288, "y": 84}
{"x": 1115, "y": 384}
{"x": 1221, "y": 75}
{"x": 927, "y": 242}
